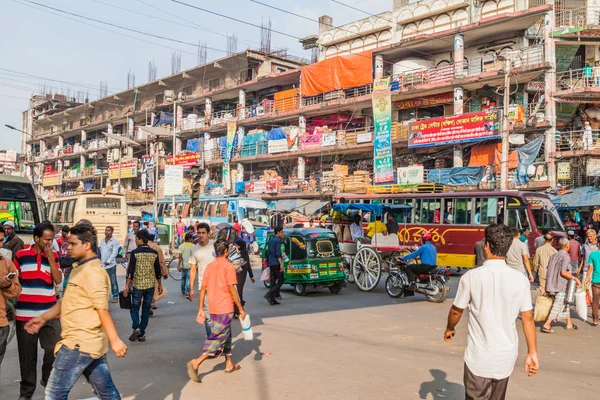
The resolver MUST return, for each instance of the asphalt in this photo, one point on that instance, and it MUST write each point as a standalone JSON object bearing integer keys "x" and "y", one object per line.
{"x": 353, "y": 345}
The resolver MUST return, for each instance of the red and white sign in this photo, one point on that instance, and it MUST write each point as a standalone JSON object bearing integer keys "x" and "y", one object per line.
{"x": 463, "y": 128}
{"x": 311, "y": 141}
{"x": 185, "y": 159}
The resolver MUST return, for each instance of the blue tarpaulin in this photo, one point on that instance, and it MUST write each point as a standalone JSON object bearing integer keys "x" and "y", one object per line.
{"x": 240, "y": 187}
{"x": 192, "y": 145}
{"x": 276, "y": 133}
{"x": 254, "y": 144}
{"x": 470, "y": 176}
{"x": 223, "y": 146}
{"x": 164, "y": 118}
{"x": 587, "y": 196}
{"x": 439, "y": 176}
{"x": 527, "y": 155}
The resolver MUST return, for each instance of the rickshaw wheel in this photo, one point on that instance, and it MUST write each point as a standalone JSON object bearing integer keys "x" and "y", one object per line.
{"x": 335, "y": 288}
{"x": 300, "y": 289}
{"x": 367, "y": 269}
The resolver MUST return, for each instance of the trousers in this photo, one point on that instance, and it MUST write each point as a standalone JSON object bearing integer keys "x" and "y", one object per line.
{"x": 595, "y": 301}
{"x": 276, "y": 282}
{"x": 143, "y": 298}
{"x": 478, "y": 388}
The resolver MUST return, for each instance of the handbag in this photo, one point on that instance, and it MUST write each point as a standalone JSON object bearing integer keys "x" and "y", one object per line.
{"x": 265, "y": 276}
{"x": 543, "y": 305}
{"x": 125, "y": 301}
{"x": 580, "y": 304}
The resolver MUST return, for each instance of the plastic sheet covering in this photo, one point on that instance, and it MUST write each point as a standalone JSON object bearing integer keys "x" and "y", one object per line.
{"x": 164, "y": 118}
{"x": 240, "y": 187}
{"x": 513, "y": 160}
{"x": 335, "y": 73}
{"x": 192, "y": 145}
{"x": 527, "y": 156}
{"x": 254, "y": 144}
{"x": 470, "y": 176}
{"x": 223, "y": 146}
{"x": 276, "y": 133}
{"x": 439, "y": 176}
{"x": 483, "y": 154}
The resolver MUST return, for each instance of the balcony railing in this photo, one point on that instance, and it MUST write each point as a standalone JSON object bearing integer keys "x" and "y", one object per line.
{"x": 580, "y": 16}
{"x": 577, "y": 141}
{"x": 336, "y": 95}
{"x": 584, "y": 78}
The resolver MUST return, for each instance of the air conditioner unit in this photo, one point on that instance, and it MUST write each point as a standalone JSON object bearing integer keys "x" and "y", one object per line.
{"x": 169, "y": 95}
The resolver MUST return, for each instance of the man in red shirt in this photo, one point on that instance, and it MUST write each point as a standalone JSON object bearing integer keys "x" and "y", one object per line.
{"x": 62, "y": 241}
{"x": 574, "y": 251}
{"x": 38, "y": 273}
{"x": 219, "y": 281}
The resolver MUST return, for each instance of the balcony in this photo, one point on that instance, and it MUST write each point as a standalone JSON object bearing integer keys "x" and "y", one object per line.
{"x": 571, "y": 143}
{"x": 577, "y": 23}
{"x": 577, "y": 84}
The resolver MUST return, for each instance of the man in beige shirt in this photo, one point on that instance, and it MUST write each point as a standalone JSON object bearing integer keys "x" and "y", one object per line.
{"x": 9, "y": 289}
{"x": 541, "y": 260}
{"x": 85, "y": 321}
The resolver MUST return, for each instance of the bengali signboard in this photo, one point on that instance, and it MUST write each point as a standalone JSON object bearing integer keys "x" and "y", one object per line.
{"x": 173, "y": 180}
{"x": 366, "y": 137}
{"x": 410, "y": 175}
{"x": 128, "y": 170}
{"x": 383, "y": 165}
{"x": 428, "y": 101}
{"x": 328, "y": 139}
{"x": 277, "y": 146}
{"x": 311, "y": 141}
{"x": 185, "y": 159}
{"x": 563, "y": 170}
{"x": 463, "y": 128}
{"x": 52, "y": 179}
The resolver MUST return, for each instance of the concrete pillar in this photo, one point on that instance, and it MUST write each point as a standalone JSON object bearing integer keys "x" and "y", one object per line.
{"x": 301, "y": 168}
{"x": 59, "y": 165}
{"x": 459, "y": 55}
{"x": 302, "y": 124}
{"x": 129, "y": 151}
{"x": 83, "y": 135}
{"x": 378, "y": 66}
{"x": 207, "y": 109}
{"x": 61, "y": 141}
{"x": 178, "y": 146}
{"x": 550, "y": 109}
{"x": 130, "y": 128}
{"x": 458, "y": 109}
{"x": 240, "y": 172}
{"x": 242, "y": 104}
{"x": 179, "y": 116}
{"x": 43, "y": 147}
{"x": 152, "y": 118}
{"x": 81, "y": 163}
{"x": 325, "y": 23}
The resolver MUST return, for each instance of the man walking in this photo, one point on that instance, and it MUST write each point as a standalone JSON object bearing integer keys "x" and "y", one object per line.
{"x": 574, "y": 251}
{"x": 143, "y": 273}
{"x": 275, "y": 264}
{"x": 194, "y": 232}
{"x": 590, "y": 245}
{"x": 202, "y": 255}
{"x": 9, "y": 289}
{"x": 556, "y": 284}
{"x": 109, "y": 249}
{"x": 130, "y": 241}
{"x": 539, "y": 241}
{"x": 86, "y": 323}
{"x": 38, "y": 273}
{"x": 541, "y": 260}
{"x": 518, "y": 255}
{"x": 219, "y": 283}
{"x": 185, "y": 251}
{"x": 180, "y": 230}
{"x": 62, "y": 241}
{"x": 11, "y": 241}
{"x": 495, "y": 295}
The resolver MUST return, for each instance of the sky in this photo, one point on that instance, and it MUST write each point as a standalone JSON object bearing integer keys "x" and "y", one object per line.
{"x": 44, "y": 48}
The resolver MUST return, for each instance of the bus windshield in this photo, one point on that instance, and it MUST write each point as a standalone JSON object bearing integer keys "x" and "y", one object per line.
{"x": 20, "y": 212}
{"x": 255, "y": 211}
{"x": 545, "y": 214}
{"x": 18, "y": 203}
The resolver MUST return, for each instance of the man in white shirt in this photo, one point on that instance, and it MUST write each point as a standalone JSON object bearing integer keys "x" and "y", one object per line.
{"x": 356, "y": 229}
{"x": 109, "y": 250}
{"x": 202, "y": 255}
{"x": 495, "y": 295}
{"x": 518, "y": 255}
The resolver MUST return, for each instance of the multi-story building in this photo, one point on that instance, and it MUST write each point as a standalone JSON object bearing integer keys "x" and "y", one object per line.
{"x": 461, "y": 76}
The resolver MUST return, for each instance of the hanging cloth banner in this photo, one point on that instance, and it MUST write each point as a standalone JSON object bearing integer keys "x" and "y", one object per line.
{"x": 383, "y": 164}
{"x": 527, "y": 155}
{"x": 231, "y": 131}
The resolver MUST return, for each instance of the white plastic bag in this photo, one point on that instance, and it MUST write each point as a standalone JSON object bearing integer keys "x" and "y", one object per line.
{"x": 246, "y": 328}
{"x": 581, "y": 304}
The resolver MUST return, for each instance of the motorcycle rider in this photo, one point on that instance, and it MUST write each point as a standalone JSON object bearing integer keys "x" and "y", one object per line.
{"x": 428, "y": 255}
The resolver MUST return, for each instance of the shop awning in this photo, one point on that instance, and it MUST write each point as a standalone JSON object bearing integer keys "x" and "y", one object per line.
{"x": 587, "y": 196}
{"x": 306, "y": 207}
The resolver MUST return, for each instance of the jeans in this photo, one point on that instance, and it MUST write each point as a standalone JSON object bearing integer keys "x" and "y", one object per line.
{"x": 276, "y": 282}
{"x": 70, "y": 365}
{"x": 114, "y": 284}
{"x": 27, "y": 344}
{"x": 4, "y": 330}
{"x": 137, "y": 296}
{"x": 597, "y": 80}
{"x": 185, "y": 281}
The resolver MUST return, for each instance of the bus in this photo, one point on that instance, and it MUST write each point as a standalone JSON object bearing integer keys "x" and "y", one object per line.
{"x": 457, "y": 220}
{"x": 20, "y": 204}
{"x": 101, "y": 209}
{"x": 215, "y": 210}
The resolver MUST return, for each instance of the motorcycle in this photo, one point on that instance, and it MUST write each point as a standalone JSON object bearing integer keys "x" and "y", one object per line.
{"x": 433, "y": 284}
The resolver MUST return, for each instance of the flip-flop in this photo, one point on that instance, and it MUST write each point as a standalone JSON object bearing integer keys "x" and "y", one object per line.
{"x": 235, "y": 368}
{"x": 544, "y": 330}
{"x": 574, "y": 327}
{"x": 192, "y": 372}
{"x": 595, "y": 323}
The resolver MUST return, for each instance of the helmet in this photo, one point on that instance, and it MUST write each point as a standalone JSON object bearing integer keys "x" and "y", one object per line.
{"x": 426, "y": 236}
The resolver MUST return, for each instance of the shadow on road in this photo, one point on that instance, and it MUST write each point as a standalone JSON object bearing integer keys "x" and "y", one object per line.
{"x": 440, "y": 387}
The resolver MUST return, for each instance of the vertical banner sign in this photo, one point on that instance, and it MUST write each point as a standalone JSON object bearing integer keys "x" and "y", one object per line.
{"x": 231, "y": 131}
{"x": 148, "y": 173}
{"x": 383, "y": 165}
{"x": 173, "y": 180}
{"x": 226, "y": 176}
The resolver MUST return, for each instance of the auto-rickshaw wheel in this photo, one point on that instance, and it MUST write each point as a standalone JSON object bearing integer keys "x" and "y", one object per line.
{"x": 367, "y": 268}
{"x": 300, "y": 289}
{"x": 335, "y": 288}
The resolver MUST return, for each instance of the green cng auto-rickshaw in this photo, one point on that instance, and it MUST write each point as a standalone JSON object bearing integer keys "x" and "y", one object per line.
{"x": 312, "y": 260}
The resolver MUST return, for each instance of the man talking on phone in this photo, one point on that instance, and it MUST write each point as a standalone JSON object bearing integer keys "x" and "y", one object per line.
{"x": 9, "y": 288}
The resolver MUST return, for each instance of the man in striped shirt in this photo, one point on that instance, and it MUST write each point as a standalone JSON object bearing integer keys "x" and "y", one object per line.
{"x": 38, "y": 273}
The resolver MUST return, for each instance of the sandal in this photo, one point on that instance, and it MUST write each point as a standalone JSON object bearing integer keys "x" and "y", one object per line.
{"x": 192, "y": 372}
{"x": 595, "y": 323}
{"x": 235, "y": 368}
{"x": 574, "y": 327}
{"x": 544, "y": 330}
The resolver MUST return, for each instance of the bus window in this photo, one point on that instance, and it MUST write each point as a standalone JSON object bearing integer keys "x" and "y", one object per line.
{"x": 461, "y": 211}
{"x": 70, "y": 211}
{"x": 517, "y": 217}
{"x": 186, "y": 210}
{"x": 486, "y": 211}
{"x": 222, "y": 210}
{"x": 212, "y": 207}
{"x": 430, "y": 211}
{"x": 26, "y": 218}
{"x": 50, "y": 214}
{"x": 103, "y": 202}
{"x": 63, "y": 211}
{"x": 200, "y": 209}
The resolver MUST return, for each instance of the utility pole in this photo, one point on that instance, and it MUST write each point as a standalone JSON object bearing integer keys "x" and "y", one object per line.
{"x": 505, "y": 127}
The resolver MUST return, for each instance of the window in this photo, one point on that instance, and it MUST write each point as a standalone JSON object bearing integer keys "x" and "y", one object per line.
{"x": 214, "y": 84}
{"x": 323, "y": 248}
{"x": 63, "y": 211}
{"x": 223, "y": 205}
{"x": 298, "y": 249}
{"x": 200, "y": 209}
{"x": 517, "y": 218}
{"x": 186, "y": 210}
{"x": 458, "y": 211}
{"x": 103, "y": 203}
{"x": 430, "y": 210}
{"x": 70, "y": 211}
{"x": 486, "y": 211}
{"x": 212, "y": 209}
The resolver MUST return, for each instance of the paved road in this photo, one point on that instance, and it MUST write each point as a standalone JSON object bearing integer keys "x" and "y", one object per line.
{"x": 349, "y": 346}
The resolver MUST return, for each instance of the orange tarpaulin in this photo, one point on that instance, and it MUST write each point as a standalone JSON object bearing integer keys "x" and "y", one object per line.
{"x": 335, "y": 73}
{"x": 286, "y": 100}
{"x": 483, "y": 154}
{"x": 513, "y": 160}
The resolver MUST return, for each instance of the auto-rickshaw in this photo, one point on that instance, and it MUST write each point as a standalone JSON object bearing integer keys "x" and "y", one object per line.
{"x": 312, "y": 260}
